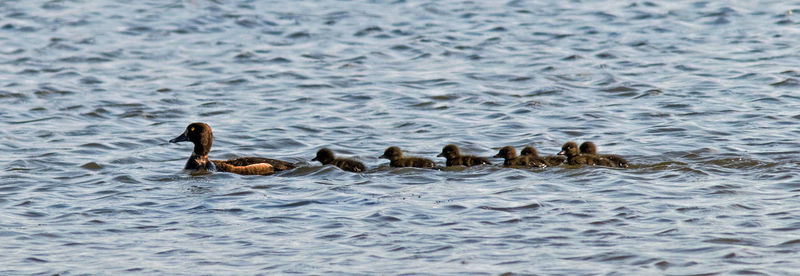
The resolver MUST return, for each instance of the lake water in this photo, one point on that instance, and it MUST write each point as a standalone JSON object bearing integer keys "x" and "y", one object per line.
{"x": 701, "y": 96}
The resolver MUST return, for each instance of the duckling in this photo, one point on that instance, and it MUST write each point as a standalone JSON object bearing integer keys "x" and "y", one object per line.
{"x": 574, "y": 156}
{"x": 202, "y": 137}
{"x": 590, "y": 148}
{"x": 552, "y": 160}
{"x": 509, "y": 153}
{"x": 396, "y": 159}
{"x": 325, "y": 156}
{"x": 454, "y": 157}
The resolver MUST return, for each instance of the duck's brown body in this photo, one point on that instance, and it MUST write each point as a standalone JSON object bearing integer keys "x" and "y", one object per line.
{"x": 574, "y": 157}
{"x": 326, "y": 157}
{"x": 509, "y": 154}
{"x": 251, "y": 169}
{"x": 396, "y": 159}
{"x": 590, "y": 148}
{"x": 454, "y": 157}
{"x": 279, "y": 165}
{"x": 551, "y": 161}
{"x": 201, "y": 136}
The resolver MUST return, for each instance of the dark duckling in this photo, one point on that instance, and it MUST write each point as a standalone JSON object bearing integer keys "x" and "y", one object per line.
{"x": 201, "y": 136}
{"x": 574, "y": 156}
{"x": 552, "y": 160}
{"x": 325, "y": 156}
{"x": 509, "y": 153}
{"x": 396, "y": 159}
{"x": 590, "y": 148}
{"x": 454, "y": 157}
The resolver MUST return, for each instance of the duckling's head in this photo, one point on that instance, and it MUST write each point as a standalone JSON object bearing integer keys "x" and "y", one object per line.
{"x": 507, "y": 152}
{"x": 392, "y": 153}
{"x": 529, "y": 150}
{"x": 449, "y": 152}
{"x": 324, "y": 156}
{"x": 200, "y": 135}
{"x": 570, "y": 149}
{"x": 588, "y": 148}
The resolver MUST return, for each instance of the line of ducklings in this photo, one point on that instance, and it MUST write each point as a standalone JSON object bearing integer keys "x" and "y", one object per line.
{"x": 201, "y": 136}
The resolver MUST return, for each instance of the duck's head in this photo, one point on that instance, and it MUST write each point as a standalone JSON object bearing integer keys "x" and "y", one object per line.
{"x": 324, "y": 156}
{"x": 392, "y": 153}
{"x": 588, "y": 148}
{"x": 200, "y": 135}
{"x": 449, "y": 152}
{"x": 570, "y": 149}
{"x": 507, "y": 152}
{"x": 529, "y": 150}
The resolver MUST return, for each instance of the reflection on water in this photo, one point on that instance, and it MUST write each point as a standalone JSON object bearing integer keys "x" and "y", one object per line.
{"x": 698, "y": 96}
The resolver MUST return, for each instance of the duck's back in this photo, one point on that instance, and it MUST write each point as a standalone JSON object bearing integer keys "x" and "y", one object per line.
{"x": 278, "y": 165}
{"x": 591, "y": 159}
{"x": 468, "y": 160}
{"x": 349, "y": 165}
{"x": 417, "y": 162}
{"x": 554, "y": 160}
{"x": 524, "y": 161}
{"x": 619, "y": 161}
{"x": 258, "y": 168}
{"x": 535, "y": 161}
{"x": 516, "y": 161}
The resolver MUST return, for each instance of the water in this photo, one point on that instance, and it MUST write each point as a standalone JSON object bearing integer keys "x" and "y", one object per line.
{"x": 700, "y": 96}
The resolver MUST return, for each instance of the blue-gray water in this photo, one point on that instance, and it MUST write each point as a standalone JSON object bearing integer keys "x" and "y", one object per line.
{"x": 701, "y": 96}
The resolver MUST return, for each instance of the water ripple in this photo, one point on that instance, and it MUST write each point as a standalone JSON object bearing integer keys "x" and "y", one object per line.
{"x": 697, "y": 95}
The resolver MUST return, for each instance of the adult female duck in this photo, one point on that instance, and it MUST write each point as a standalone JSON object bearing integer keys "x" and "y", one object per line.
{"x": 201, "y": 136}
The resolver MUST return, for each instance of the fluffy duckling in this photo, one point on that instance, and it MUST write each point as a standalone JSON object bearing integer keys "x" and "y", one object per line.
{"x": 552, "y": 160}
{"x": 325, "y": 156}
{"x": 396, "y": 159}
{"x": 509, "y": 153}
{"x": 574, "y": 156}
{"x": 590, "y": 148}
{"x": 201, "y": 136}
{"x": 454, "y": 157}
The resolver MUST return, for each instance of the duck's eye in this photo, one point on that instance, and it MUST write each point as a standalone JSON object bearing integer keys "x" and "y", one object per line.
{"x": 191, "y": 129}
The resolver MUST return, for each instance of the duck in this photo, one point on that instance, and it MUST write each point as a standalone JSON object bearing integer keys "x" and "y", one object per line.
{"x": 202, "y": 137}
{"x": 326, "y": 157}
{"x": 590, "y": 148}
{"x": 574, "y": 156}
{"x": 396, "y": 159}
{"x": 509, "y": 153}
{"x": 454, "y": 157}
{"x": 552, "y": 160}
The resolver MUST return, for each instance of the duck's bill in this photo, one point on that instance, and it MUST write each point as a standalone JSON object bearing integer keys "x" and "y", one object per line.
{"x": 440, "y": 155}
{"x": 180, "y": 138}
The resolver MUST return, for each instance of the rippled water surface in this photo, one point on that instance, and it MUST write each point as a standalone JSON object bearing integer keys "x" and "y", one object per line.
{"x": 701, "y": 96}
